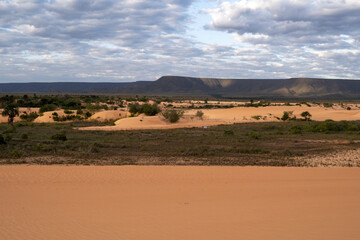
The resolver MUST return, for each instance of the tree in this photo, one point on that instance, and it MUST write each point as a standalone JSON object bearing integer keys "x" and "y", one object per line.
{"x": 306, "y": 115}
{"x": 11, "y": 111}
{"x": 172, "y": 115}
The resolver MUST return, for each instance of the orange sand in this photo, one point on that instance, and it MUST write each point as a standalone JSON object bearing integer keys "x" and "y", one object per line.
{"x": 202, "y": 203}
{"x": 230, "y": 116}
{"x": 4, "y": 119}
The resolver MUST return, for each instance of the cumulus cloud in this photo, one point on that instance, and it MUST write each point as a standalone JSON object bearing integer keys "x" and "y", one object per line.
{"x": 297, "y": 30}
{"x": 128, "y": 40}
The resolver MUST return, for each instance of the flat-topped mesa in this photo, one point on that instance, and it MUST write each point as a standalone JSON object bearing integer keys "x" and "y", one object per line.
{"x": 190, "y": 86}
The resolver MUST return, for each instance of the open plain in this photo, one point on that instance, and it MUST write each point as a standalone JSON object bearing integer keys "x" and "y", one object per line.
{"x": 204, "y": 203}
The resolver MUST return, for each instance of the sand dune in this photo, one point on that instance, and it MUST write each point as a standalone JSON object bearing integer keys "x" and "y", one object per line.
{"x": 108, "y": 115}
{"x": 203, "y": 203}
{"x": 47, "y": 117}
{"x": 230, "y": 116}
{"x": 4, "y": 119}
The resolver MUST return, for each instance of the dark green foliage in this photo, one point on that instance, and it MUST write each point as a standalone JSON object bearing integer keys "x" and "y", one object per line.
{"x": 88, "y": 114}
{"x": 59, "y": 136}
{"x": 7, "y": 137}
{"x": 147, "y": 109}
{"x": 2, "y": 140}
{"x": 150, "y": 110}
{"x": 11, "y": 111}
{"x": 24, "y": 136}
{"x": 295, "y": 129}
{"x": 47, "y": 108}
{"x": 286, "y": 116}
{"x": 172, "y": 115}
{"x": 68, "y": 111}
{"x": 79, "y": 112}
{"x": 328, "y": 105}
{"x": 256, "y": 143}
{"x": 10, "y": 129}
{"x": 306, "y": 115}
{"x": 332, "y": 126}
{"x": 199, "y": 114}
{"x": 228, "y": 132}
{"x": 29, "y": 117}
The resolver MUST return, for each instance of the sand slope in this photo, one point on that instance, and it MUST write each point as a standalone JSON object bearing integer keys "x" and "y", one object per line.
{"x": 203, "y": 203}
{"x": 230, "y": 116}
{"x": 4, "y": 119}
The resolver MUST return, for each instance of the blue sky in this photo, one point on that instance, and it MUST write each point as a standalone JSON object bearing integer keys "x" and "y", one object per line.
{"x": 131, "y": 40}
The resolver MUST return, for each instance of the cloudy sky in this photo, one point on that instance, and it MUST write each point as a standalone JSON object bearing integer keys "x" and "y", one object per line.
{"x": 130, "y": 40}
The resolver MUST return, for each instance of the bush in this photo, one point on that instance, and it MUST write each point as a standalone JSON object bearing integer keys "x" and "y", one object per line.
{"x": 199, "y": 114}
{"x": 48, "y": 108}
{"x": 286, "y": 116}
{"x": 7, "y": 138}
{"x": 2, "y": 140}
{"x": 332, "y": 126}
{"x": 68, "y": 112}
{"x": 172, "y": 115}
{"x": 79, "y": 112}
{"x": 88, "y": 114}
{"x": 147, "y": 109}
{"x": 295, "y": 129}
{"x": 257, "y": 117}
{"x": 29, "y": 117}
{"x": 10, "y": 129}
{"x": 306, "y": 115}
{"x": 24, "y": 136}
{"x": 59, "y": 136}
{"x": 228, "y": 132}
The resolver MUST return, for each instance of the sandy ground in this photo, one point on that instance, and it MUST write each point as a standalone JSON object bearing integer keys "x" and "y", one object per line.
{"x": 203, "y": 203}
{"x": 230, "y": 116}
{"x": 108, "y": 115}
{"x": 4, "y": 119}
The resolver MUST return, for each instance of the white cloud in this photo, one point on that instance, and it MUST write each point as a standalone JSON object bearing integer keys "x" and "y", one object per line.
{"x": 111, "y": 40}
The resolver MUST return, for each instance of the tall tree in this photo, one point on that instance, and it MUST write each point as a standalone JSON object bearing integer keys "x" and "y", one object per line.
{"x": 11, "y": 111}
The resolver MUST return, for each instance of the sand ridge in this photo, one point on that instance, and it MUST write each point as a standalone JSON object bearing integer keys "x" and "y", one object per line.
{"x": 230, "y": 116}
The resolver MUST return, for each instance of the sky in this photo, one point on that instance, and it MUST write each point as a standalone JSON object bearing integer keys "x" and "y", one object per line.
{"x": 135, "y": 40}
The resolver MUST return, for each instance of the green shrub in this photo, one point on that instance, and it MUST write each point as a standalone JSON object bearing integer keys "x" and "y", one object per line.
{"x": 257, "y": 117}
{"x": 59, "y": 136}
{"x": 10, "y": 129}
{"x": 134, "y": 108}
{"x": 7, "y": 138}
{"x": 255, "y": 135}
{"x": 79, "y": 112}
{"x": 24, "y": 136}
{"x": 286, "y": 115}
{"x": 172, "y": 115}
{"x": 327, "y": 105}
{"x": 199, "y": 114}
{"x": 15, "y": 154}
{"x": 88, "y": 114}
{"x": 68, "y": 112}
{"x": 296, "y": 129}
{"x": 2, "y": 140}
{"x": 147, "y": 109}
{"x": 47, "y": 108}
{"x": 228, "y": 132}
{"x": 29, "y": 117}
{"x": 306, "y": 115}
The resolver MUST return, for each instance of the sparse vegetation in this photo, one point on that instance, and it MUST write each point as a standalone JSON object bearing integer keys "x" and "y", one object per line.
{"x": 306, "y": 115}
{"x": 172, "y": 115}
{"x": 199, "y": 114}
{"x": 258, "y": 143}
{"x": 147, "y": 109}
{"x": 11, "y": 111}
